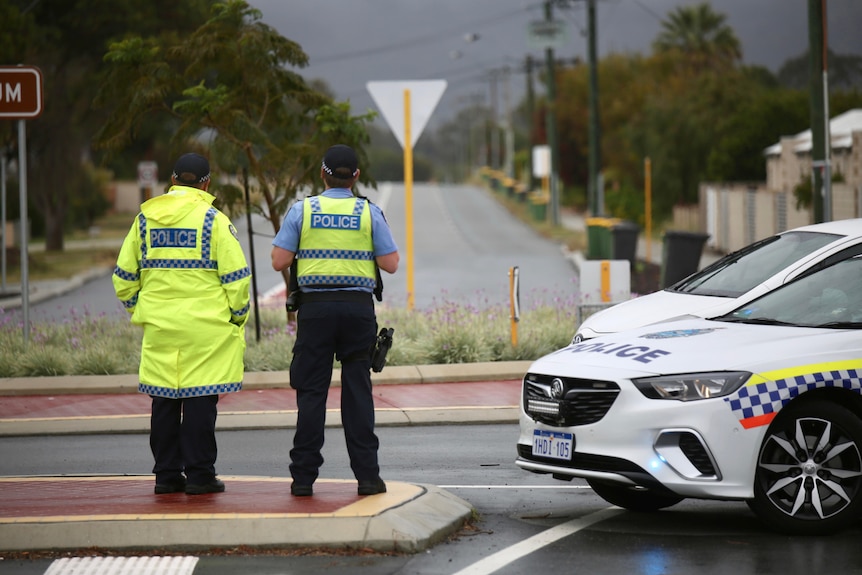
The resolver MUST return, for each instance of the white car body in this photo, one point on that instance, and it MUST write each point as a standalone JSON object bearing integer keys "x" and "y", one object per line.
{"x": 676, "y": 301}
{"x": 587, "y": 410}
{"x": 731, "y": 438}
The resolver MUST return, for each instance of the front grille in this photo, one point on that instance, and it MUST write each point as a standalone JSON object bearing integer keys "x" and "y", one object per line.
{"x": 694, "y": 450}
{"x": 576, "y": 401}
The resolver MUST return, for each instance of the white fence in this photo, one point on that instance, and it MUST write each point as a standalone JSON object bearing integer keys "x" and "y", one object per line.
{"x": 735, "y": 215}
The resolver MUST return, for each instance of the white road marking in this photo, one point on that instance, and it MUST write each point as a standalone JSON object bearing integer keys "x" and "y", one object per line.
{"x": 504, "y": 557}
{"x": 514, "y": 486}
{"x": 123, "y": 566}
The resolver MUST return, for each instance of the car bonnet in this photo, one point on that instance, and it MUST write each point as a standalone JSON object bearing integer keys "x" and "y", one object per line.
{"x": 652, "y": 308}
{"x": 699, "y": 345}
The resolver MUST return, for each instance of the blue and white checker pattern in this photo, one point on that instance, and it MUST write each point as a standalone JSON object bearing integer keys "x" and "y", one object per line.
{"x": 142, "y": 229}
{"x": 336, "y": 254}
{"x": 163, "y": 264}
{"x": 124, "y": 275}
{"x": 770, "y": 396}
{"x": 235, "y": 276}
{"x": 342, "y": 281}
{"x": 358, "y": 205}
{"x": 238, "y": 313}
{"x": 207, "y": 236}
{"x": 131, "y": 302}
{"x": 198, "y": 391}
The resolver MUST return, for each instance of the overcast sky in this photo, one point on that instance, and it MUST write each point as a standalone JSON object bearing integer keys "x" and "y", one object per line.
{"x": 352, "y": 42}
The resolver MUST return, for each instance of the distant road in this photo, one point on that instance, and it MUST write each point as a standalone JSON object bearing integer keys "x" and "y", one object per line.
{"x": 464, "y": 241}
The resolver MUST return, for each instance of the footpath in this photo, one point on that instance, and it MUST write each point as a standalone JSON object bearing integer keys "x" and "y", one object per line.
{"x": 111, "y": 512}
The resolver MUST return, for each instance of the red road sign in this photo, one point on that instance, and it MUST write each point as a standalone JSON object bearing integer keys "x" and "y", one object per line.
{"x": 20, "y": 92}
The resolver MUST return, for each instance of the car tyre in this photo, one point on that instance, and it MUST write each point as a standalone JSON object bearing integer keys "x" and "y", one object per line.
{"x": 808, "y": 479}
{"x": 632, "y": 498}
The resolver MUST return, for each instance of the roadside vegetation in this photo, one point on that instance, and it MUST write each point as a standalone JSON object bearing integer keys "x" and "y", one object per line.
{"x": 450, "y": 333}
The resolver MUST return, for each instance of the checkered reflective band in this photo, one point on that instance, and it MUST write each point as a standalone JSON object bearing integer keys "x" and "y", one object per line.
{"x": 131, "y": 302}
{"x": 336, "y": 281}
{"x": 336, "y": 254}
{"x": 358, "y": 205}
{"x": 757, "y": 404}
{"x": 199, "y": 391}
{"x": 124, "y": 275}
{"x": 235, "y": 276}
{"x": 240, "y": 312}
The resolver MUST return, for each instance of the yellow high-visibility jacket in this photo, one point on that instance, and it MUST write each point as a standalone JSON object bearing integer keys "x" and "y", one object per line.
{"x": 335, "y": 245}
{"x": 183, "y": 276}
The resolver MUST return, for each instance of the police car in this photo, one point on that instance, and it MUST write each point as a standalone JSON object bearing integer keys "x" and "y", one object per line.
{"x": 734, "y": 279}
{"x": 762, "y": 404}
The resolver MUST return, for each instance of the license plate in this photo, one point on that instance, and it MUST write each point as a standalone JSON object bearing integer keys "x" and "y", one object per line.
{"x": 554, "y": 444}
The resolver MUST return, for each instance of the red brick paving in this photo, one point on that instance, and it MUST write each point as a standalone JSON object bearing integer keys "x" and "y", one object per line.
{"x": 94, "y": 496}
{"x": 464, "y": 394}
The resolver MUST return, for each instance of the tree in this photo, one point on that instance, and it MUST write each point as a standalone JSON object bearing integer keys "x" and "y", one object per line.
{"x": 229, "y": 86}
{"x": 760, "y": 119}
{"x": 700, "y": 36}
{"x": 66, "y": 39}
{"x": 845, "y": 71}
{"x": 668, "y": 106}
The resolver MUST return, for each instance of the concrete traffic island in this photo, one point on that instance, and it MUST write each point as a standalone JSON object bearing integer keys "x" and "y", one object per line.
{"x": 114, "y": 512}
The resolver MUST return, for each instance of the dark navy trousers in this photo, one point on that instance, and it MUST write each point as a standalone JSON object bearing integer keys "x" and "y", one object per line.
{"x": 182, "y": 438}
{"x": 346, "y": 331}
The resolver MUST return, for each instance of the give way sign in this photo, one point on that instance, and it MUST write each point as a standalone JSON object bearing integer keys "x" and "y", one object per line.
{"x": 389, "y": 97}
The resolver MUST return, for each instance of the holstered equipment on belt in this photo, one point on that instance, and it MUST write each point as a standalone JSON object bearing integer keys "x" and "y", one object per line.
{"x": 380, "y": 349}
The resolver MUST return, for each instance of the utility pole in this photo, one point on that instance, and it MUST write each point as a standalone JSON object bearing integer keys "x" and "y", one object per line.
{"x": 508, "y": 132}
{"x": 819, "y": 99}
{"x": 495, "y": 128}
{"x": 595, "y": 193}
{"x": 530, "y": 107}
{"x": 551, "y": 125}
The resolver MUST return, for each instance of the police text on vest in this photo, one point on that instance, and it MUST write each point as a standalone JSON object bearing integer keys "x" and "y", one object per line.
{"x": 334, "y": 222}
{"x": 173, "y": 238}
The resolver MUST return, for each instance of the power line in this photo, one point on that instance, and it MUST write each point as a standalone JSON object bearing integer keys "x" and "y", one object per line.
{"x": 648, "y": 10}
{"x": 432, "y": 37}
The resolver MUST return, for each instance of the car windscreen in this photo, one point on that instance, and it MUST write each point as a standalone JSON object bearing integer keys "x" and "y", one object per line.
{"x": 739, "y": 272}
{"x": 829, "y": 297}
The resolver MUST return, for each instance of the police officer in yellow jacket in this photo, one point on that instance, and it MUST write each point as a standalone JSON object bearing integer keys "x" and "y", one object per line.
{"x": 337, "y": 239}
{"x": 182, "y": 275}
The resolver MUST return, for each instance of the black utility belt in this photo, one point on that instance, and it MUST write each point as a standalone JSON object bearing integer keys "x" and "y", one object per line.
{"x": 337, "y": 295}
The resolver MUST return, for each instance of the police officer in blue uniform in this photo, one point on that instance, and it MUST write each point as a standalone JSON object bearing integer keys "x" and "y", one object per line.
{"x": 339, "y": 240}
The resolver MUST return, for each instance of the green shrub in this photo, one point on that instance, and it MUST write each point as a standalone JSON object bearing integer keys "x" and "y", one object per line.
{"x": 40, "y": 361}
{"x": 451, "y": 332}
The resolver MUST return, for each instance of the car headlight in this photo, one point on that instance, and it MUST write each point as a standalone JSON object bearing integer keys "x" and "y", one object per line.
{"x": 691, "y": 386}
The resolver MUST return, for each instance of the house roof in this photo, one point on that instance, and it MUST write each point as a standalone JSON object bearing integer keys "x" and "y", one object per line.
{"x": 841, "y": 130}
